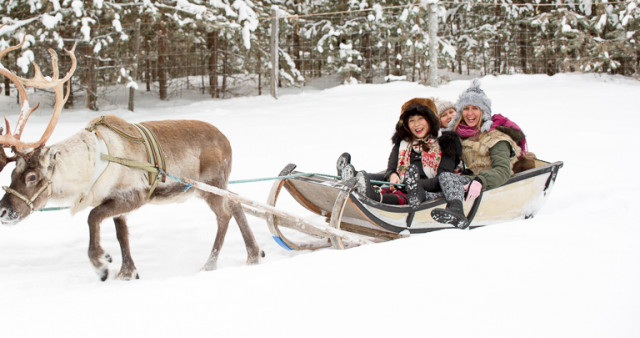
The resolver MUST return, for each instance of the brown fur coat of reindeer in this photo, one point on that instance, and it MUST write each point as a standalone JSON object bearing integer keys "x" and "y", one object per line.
{"x": 72, "y": 171}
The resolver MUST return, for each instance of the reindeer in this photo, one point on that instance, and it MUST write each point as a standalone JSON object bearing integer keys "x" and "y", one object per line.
{"x": 99, "y": 167}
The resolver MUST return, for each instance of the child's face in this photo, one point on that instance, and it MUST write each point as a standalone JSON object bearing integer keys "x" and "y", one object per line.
{"x": 471, "y": 115}
{"x": 446, "y": 117}
{"x": 418, "y": 126}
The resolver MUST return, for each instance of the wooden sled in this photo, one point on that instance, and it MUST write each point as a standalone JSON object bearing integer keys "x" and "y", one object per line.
{"x": 520, "y": 198}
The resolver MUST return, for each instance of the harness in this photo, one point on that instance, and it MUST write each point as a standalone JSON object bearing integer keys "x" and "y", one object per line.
{"x": 156, "y": 165}
{"x": 27, "y": 200}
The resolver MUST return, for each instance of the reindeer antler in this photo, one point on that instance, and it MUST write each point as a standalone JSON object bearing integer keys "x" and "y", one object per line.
{"x": 38, "y": 81}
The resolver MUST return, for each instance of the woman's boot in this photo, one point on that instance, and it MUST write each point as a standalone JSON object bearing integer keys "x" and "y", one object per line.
{"x": 452, "y": 214}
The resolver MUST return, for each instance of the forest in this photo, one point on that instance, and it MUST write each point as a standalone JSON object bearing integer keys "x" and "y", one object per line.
{"x": 222, "y": 46}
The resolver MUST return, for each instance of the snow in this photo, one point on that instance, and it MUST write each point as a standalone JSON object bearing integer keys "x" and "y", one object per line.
{"x": 51, "y": 21}
{"x": 572, "y": 271}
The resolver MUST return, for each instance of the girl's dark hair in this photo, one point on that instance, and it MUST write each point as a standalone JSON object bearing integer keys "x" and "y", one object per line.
{"x": 402, "y": 129}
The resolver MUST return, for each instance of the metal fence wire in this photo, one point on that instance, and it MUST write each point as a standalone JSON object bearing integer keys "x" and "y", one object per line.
{"x": 326, "y": 48}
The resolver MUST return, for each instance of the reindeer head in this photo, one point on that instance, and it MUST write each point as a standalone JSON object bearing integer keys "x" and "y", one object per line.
{"x": 30, "y": 185}
{"x": 30, "y": 181}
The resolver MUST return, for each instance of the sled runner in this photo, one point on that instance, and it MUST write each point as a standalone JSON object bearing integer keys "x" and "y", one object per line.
{"x": 520, "y": 198}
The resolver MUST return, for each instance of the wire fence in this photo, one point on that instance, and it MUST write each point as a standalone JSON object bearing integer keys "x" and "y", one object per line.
{"x": 473, "y": 39}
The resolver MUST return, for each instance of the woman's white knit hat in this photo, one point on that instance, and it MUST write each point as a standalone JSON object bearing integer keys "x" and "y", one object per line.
{"x": 476, "y": 97}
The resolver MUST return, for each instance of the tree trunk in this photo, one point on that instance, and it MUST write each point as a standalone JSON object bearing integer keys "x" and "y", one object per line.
{"x": 91, "y": 79}
{"x": 368, "y": 66}
{"x": 398, "y": 63}
{"x": 296, "y": 49}
{"x": 148, "y": 66}
{"x": 225, "y": 66}
{"x": 136, "y": 58}
{"x": 212, "y": 45}
{"x": 258, "y": 62}
{"x": 497, "y": 50}
{"x": 162, "y": 60}
{"x": 523, "y": 43}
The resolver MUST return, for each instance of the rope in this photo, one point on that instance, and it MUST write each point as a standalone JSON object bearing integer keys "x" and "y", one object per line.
{"x": 189, "y": 185}
{"x": 301, "y": 175}
{"x": 280, "y": 178}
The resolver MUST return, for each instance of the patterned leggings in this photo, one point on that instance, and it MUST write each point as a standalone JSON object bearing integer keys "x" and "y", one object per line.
{"x": 453, "y": 185}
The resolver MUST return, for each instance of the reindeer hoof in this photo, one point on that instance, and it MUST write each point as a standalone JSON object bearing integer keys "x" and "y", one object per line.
{"x": 108, "y": 257}
{"x": 209, "y": 266}
{"x": 128, "y": 275}
{"x": 103, "y": 274}
{"x": 255, "y": 259}
{"x": 262, "y": 254}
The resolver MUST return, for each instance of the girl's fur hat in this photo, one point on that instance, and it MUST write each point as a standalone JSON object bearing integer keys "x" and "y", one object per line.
{"x": 417, "y": 106}
{"x": 476, "y": 97}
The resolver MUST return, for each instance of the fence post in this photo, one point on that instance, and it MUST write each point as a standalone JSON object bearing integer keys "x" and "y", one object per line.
{"x": 433, "y": 43}
{"x": 274, "y": 51}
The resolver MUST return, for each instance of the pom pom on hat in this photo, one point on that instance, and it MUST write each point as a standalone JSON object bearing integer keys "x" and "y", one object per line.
{"x": 474, "y": 96}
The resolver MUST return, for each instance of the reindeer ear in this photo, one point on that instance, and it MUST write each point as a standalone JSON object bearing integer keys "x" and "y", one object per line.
{"x": 47, "y": 157}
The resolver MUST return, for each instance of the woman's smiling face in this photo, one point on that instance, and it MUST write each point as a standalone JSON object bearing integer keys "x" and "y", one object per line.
{"x": 471, "y": 115}
{"x": 418, "y": 126}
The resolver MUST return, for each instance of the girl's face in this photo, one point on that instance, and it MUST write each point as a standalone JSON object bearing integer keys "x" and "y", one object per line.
{"x": 471, "y": 115}
{"x": 446, "y": 117}
{"x": 418, "y": 126}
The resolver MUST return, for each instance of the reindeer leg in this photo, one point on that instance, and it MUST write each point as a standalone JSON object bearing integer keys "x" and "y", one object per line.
{"x": 110, "y": 208}
{"x": 98, "y": 257}
{"x": 128, "y": 269}
{"x": 223, "y": 215}
{"x": 253, "y": 250}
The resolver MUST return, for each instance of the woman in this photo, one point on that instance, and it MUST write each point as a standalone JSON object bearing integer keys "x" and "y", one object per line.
{"x": 489, "y": 150}
{"x": 417, "y": 156}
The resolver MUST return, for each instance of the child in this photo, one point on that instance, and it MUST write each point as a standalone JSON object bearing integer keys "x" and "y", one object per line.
{"x": 446, "y": 111}
{"x": 416, "y": 159}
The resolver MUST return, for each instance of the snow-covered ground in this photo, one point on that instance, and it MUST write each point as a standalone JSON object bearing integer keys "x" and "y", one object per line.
{"x": 572, "y": 271}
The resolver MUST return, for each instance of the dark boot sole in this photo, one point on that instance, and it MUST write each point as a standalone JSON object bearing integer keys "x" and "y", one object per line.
{"x": 446, "y": 217}
{"x": 342, "y": 162}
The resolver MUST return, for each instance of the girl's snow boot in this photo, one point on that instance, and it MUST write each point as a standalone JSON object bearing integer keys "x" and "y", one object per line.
{"x": 348, "y": 172}
{"x": 342, "y": 162}
{"x": 414, "y": 190}
{"x": 364, "y": 187}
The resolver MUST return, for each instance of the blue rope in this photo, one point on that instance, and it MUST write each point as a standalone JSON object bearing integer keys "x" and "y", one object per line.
{"x": 189, "y": 185}
{"x": 280, "y": 178}
{"x": 53, "y": 209}
{"x": 304, "y": 174}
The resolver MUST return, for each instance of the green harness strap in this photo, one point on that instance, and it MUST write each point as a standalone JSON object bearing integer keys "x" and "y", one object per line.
{"x": 154, "y": 153}
{"x": 156, "y": 165}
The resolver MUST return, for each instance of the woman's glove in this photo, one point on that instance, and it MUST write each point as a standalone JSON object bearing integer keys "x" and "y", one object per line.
{"x": 473, "y": 190}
